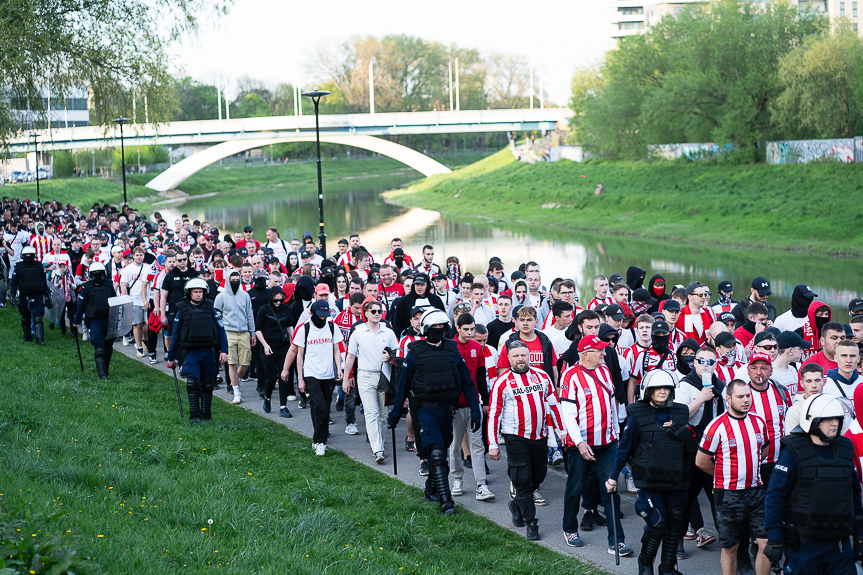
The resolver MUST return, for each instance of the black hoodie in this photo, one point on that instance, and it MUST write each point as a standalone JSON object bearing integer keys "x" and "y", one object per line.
{"x": 304, "y": 292}
{"x": 401, "y": 318}
{"x": 635, "y": 277}
{"x": 259, "y": 294}
{"x": 799, "y": 302}
{"x": 274, "y": 321}
{"x": 658, "y": 297}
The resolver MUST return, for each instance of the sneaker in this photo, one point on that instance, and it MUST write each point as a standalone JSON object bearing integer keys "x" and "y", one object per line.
{"x": 85, "y": 335}
{"x": 483, "y": 493}
{"x": 246, "y": 378}
{"x": 283, "y": 412}
{"x": 292, "y": 398}
{"x": 340, "y": 404}
{"x": 424, "y": 468}
{"x": 517, "y": 519}
{"x": 573, "y": 540}
{"x": 538, "y": 499}
{"x": 556, "y": 457}
{"x": 154, "y": 359}
{"x": 238, "y": 398}
{"x": 622, "y": 549}
{"x": 468, "y": 462}
{"x": 351, "y": 429}
{"x": 379, "y": 457}
{"x": 303, "y": 403}
{"x": 125, "y": 341}
{"x": 320, "y": 448}
{"x": 511, "y": 490}
{"x": 140, "y": 352}
{"x": 703, "y": 538}
{"x": 587, "y": 521}
{"x": 457, "y": 487}
{"x": 681, "y": 552}
{"x": 267, "y": 406}
{"x": 690, "y": 534}
{"x": 630, "y": 484}
{"x": 599, "y": 520}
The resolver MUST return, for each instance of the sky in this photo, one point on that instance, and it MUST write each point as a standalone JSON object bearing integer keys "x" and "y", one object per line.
{"x": 274, "y": 40}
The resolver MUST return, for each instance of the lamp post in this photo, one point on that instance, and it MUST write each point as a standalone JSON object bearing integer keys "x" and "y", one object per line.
{"x": 316, "y": 96}
{"x": 36, "y": 148}
{"x": 122, "y": 120}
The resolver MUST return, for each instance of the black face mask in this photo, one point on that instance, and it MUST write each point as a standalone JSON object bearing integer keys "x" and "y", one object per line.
{"x": 399, "y": 262}
{"x": 235, "y": 285}
{"x": 660, "y": 343}
{"x": 318, "y": 321}
{"x": 260, "y": 283}
{"x": 820, "y": 321}
{"x": 97, "y": 277}
{"x": 435, "y": 334}
{"x": 685, "y": 364}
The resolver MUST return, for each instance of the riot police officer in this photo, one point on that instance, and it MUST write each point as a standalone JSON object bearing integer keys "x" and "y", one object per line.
{"x": 93, "y": 307}
{"x": 33, "y": 295}
{"x": 434, "y": 376}
{"x": 813, "y": 501}
{"x": 198, "y": 329}
{"x": 655, "y": 442}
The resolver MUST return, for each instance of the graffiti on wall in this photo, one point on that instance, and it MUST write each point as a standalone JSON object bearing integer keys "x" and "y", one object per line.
{"x": 690, "y": 152}
{"x": 844, "y": 150}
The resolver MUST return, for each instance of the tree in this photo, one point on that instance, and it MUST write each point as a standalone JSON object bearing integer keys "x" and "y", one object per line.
{"x": 195, "y": 101}
{"x": 508, "y": 81}
{"x": 251, "y": 105}
{"x": 823, "y": 86}
{"x": 114, "y": 48}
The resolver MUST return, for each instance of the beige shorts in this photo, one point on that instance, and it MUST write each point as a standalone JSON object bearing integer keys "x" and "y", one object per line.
{"x": 239, "y": 348}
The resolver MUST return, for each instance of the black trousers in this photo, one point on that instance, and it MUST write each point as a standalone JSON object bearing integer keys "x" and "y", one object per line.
{"x": 698, "y": 481}
{"x": 527, "y": 466}
{"x": 320, "y": 392}
{"x": 273, "y": 365}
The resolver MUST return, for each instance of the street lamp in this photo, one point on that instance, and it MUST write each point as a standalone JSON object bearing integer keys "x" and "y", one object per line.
{"x": 36, "y": 149}
{"x": 122, "y": 120}
{"x": 316, "y": 96}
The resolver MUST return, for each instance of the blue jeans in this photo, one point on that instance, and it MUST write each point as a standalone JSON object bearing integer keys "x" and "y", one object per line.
{"x": 822, "y": 558}
{"x": 351, "y": 400}
{"x": 576, "y": 471}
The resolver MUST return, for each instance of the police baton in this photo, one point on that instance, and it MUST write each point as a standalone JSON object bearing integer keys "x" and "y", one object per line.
{"x": 612, "y": 517}
{"x": 177, "y": 385}
{"x": 395, "y": 457}
{"x": 78, "y": 345}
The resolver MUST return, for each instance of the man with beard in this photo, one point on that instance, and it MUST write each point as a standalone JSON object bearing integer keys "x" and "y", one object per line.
{"x": 434, "y": 376}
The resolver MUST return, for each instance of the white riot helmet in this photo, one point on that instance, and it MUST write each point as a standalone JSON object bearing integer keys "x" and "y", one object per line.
{"x": 96, "y": 267}
{"x": 658, "y": 378}
{"x": 194, "y": 283}
{"x": 28, "y": 251}
{"x": 817, "y": 408}
{"x": 432, "y": 317}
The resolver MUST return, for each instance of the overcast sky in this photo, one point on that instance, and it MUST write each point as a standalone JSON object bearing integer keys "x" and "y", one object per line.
{"x": 273, "y": 39}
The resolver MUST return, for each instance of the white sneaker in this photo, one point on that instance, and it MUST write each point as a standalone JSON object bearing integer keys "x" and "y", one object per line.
{"x": 140, "y": 353}
{"x": 292, "y": 398}
{"x": 483, "y": 493}
{"x": 351, "y": 429}
{"x": 379, "y": 457}
{"x": 557, "y": 457}
{"x": 320, "y": 448}
{"x": 457, "y": 487}
{"x": 237, "y": 397}
{"x": 125, "y": 341}
{"x": 538, "y": 499}
{"x": 85, "y": 334}
{"x": 630, "y": 484}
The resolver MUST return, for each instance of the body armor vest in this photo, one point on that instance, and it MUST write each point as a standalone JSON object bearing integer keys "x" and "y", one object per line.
{"x": 97, "y": 300}
{"x": 659, "y": 461}
{"x": 197, "y": 328}
{"x": 436, "y": 378}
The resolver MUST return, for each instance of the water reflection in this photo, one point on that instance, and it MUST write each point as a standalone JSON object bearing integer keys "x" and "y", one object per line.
{"x": 354, "y": 206}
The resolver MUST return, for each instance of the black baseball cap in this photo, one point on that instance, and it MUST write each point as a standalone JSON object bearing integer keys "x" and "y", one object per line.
{"x": 342, "y": 241}
{"x": 671, "y": 305}
{"x": 614, "y": 311}
{"x": 725, "y": 339}
{"x": 761, "y": 285}
{"x": 421, "y": 278}
{"x": 788, "y": 339}
{"x": 726, "y": 316}
{"x": 764, "y": 335}
{"x": 725, "y": 286}
{"x": 417, "y": 309}
{"x": 643, "y": 295}
{"x": 305, "y": 254}
{"x": 243, "y": 252}
{"x": 248, "y": 229}
{"x": 660, "y": 327}
{"x": 615, "y": 279}
{"x": 855, "y": 305}
{"x": 693, "y": 286}
{"x": 439, "y": 276}
{"x": 601, "y": 308}
{"x": 321, "y": 308}
{"x": 806, "y": 291}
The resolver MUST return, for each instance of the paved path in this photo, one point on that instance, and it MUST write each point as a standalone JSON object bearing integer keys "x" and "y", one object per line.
{"x": 701, "y": 561}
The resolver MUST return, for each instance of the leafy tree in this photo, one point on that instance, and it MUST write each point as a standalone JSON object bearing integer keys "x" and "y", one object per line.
{"x": 251, "y": 105}
{"x": 823, "y": 81}
{"x": 195, "y": 101}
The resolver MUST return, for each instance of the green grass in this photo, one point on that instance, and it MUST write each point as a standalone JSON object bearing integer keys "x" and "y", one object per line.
{"x": 82, "y": 192}
{"x": 138, "y": 485}
{"x": 813, "y": 207}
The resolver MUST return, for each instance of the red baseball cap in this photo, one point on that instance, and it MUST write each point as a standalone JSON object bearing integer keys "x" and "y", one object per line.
{"x": 762, "y": 356}
{"x": 591, "y": 342}
{"x": 322, "y": 289}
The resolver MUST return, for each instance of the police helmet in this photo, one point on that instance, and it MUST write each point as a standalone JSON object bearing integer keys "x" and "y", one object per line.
{"x": 432, "y": 317}
{"x": 194, "y": 283}
{"x": 817, "y": 408}
{"x": 28, "y": 251}
{"x": 96, "y": 267}
{"x": 658, "y": 378}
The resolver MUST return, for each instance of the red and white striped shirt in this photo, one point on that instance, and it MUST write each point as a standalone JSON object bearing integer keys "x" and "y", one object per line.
{"x": 404, "y": 342}
{"x": 549, "y": 317}
{"x": 42, "y": 245}
{"x": 772, "y": 408}
{"x": 523, "y": 404}
{"x": 595, "y": 302}
{"x": 648, "y": 359}
{"x": 731, "y": 371}
{"x": 345, "y": 320}
{"x": 736, "y": 445}
{"x": 490, "y": 359}
{"x": 629, "y": 354}
{"x": 588, "y": 405}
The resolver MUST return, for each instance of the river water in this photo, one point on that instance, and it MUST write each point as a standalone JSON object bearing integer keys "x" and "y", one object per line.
{"x": 355, "y": 206}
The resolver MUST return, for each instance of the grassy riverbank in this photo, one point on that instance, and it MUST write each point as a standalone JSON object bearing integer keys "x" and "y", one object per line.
{"x": 135, "y": 486}
{"x": 84, "y": 192}
{"x": 813, "y": 207}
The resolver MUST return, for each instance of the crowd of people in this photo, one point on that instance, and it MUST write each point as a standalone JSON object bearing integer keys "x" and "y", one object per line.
{"x": 663, "y": 387}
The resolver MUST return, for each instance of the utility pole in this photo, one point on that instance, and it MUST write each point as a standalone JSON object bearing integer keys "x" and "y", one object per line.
{"x": 541, "y": 96}
{"x": 316, "y": 96}
{"x": 449, "y": 69}
{"x": 36, "y": 148}
{"x": 457, "y": 97}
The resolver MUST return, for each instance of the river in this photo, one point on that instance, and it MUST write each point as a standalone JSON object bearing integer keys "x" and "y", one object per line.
{"x": 355, "y": 206}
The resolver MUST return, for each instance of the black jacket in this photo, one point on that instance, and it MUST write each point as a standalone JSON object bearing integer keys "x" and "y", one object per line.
{"x": 273, "y": 322}
{"x": 401, "y": 318}
{"x": 305, "y": 291}
{"x": 741, "y": 316}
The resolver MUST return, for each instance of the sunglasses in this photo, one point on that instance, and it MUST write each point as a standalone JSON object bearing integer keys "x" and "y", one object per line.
{"x": 705, "y": 294}
{"x": 374, "y": 311}
{"x": 706, "y": 361}
{"x": 769, "y": 347}
{"x": 182, "y": 259}
{"x": 462, "y": 306}
{"x": 278, "y": 300}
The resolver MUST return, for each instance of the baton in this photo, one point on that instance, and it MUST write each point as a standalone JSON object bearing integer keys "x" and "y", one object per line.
{"x": 613, "y": 518}
{"x": 395, "y": 457}
{"x": 177, "y": 384}
{"x": 78, "y": 345}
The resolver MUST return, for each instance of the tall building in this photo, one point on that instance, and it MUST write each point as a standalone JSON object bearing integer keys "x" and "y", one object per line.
{"x": 629, "y": 17}
{"x": 69, "y": 112}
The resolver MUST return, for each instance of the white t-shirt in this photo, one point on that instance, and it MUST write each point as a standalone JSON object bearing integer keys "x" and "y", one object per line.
{"x": 280, "y": 250}
{"x": 318, "y": 359}
{"x": 558, "y": 339}
{"x": 132, "y": 276}
{"x": 789, "y": 378}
